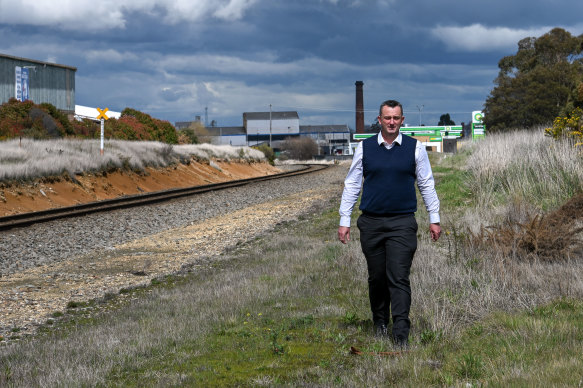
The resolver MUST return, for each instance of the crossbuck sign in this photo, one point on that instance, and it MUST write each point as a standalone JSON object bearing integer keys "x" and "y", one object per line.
{"x": 102, "y": 116}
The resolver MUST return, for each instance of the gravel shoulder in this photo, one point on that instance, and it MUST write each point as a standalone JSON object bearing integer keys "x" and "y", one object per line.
{"x": 48, "y": 266}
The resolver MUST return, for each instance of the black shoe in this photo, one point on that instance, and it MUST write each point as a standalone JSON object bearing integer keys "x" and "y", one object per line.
{"x": 381, "y": 330}
{"x": 401, "y": 342}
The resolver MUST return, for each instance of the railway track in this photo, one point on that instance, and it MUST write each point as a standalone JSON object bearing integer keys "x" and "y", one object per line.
{"x": 27, "y": 219}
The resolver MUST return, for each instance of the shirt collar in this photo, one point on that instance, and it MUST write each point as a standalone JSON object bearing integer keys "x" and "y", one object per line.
{"x": 381, "y": 141}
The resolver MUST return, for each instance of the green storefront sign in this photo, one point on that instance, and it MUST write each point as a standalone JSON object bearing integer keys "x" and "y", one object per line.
{"x": 434, "y": 134}
{"x": 478, "y": 127}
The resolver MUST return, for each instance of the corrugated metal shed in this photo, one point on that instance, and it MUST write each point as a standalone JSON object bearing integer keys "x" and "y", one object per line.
{"x": 223, "y": 131}
{"x": 48, "y": 82}
{"x": 274, "y": 115}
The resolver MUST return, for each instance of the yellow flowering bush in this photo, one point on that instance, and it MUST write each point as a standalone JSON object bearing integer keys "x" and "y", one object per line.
{"x": 568, "y": 126}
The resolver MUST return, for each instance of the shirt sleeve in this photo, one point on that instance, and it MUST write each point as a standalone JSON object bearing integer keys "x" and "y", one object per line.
{"x": 352, "y": 185}
{"x": 426, "y": 183}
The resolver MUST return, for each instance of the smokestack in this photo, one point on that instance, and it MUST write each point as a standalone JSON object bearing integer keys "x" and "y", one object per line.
{"x": 359, "y": 107}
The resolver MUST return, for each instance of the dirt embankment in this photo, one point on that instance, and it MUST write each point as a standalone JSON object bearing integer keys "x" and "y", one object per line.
{"x": 63, "y": 191}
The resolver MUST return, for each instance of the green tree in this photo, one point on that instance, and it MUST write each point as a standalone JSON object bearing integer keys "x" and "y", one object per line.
{"x": 538, "y": 83}
{"x": 375, "y": 126}
{"x": 445, "y": 120}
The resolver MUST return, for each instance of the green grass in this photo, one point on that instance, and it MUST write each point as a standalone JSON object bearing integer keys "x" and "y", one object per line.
{"x": 451, "y": 180}
{"x": 452, "y": 189}
{"x": 520, "y": 349}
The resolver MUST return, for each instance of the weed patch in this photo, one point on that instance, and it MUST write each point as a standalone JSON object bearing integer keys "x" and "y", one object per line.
{"x": 550, "y": 237}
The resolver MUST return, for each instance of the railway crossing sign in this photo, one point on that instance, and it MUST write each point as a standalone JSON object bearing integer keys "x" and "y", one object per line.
{"x": 103, "y": 117}
{"x": 102, "y": 114}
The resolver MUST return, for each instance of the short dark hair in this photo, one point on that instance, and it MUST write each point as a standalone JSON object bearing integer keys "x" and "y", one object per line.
{"x": 390, "y": 104}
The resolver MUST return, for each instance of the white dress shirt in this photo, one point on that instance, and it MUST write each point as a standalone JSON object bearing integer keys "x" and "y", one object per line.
{"x": 424, "y": 178}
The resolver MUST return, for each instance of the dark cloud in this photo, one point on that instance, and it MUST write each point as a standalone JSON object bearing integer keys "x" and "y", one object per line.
{"x": 303, "y": 55}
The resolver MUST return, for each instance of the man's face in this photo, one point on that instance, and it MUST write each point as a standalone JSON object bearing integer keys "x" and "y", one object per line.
{"x": 390, "y": 121}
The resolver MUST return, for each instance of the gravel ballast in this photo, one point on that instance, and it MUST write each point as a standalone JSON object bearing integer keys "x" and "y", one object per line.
{"x": 46, "y": 266}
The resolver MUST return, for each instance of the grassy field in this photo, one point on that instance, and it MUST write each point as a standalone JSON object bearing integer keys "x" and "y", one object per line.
{"x": 286, "y": 309}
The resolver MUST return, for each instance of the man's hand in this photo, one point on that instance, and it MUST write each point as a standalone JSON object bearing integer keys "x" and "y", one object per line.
{"x": 343, "y": 234}
{"x": 434, "y": 231}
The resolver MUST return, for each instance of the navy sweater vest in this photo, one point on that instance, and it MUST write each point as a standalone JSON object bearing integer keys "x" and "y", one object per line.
{"x": 389, "y": 177}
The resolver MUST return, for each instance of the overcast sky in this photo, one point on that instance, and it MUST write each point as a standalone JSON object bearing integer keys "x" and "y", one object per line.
{"x": 174, "y": 58}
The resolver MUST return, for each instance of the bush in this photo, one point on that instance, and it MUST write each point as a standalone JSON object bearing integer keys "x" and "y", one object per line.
{"x": 86, "y": 129}
{"x": 300, "y": 148}
{"x": 29, "y": 120}
{"x": 267, "y": 151}
{"x": 158, "y": 130}
{"x": 187, "y": 136}
{"x": 126, "y": 128}
{"x": 568, "y": 126}
{"x": 14, "y": 118}
{"x": 59, "y": 116}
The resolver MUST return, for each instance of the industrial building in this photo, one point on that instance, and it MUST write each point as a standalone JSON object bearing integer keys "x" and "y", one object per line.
{"x": 40, "y": 82}
{"x": 274, "y": 127}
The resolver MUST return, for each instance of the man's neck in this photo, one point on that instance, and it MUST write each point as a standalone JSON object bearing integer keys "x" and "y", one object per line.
{"x": 389, "y": 139}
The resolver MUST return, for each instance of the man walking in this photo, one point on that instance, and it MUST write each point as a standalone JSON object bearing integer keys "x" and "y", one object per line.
{"x": 390, "y": 164}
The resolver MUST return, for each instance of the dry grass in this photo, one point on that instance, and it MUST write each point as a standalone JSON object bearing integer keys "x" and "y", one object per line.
{"x": 549, "y": 237}
{"x": 28, "y": 158}
{"x": 521, "y": 183}
{"x": 523, "y": 167}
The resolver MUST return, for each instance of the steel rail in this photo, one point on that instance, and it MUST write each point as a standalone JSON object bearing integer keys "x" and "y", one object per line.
{"x": 27, "y": 219}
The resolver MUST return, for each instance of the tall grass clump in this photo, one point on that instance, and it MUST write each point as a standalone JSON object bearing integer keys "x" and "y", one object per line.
{"x": 28, "y": 159}
{"x": 523, "y": 167}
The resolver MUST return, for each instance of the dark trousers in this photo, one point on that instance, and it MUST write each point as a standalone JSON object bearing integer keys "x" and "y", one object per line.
{"x": 389, "y": 243}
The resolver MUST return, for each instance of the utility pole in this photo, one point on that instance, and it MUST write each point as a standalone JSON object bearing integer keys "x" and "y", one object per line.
{"x": 206, "y": 116}
{"x": 270, "y": 126}
{"x": 420, "y": 109}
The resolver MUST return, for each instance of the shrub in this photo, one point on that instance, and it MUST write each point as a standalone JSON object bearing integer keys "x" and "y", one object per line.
{"x": 187, "y": 136}
{"x": 126, "y": 128}
{"x": 550, "y": 237}
{"x": 202, "y": 134}
{"x": 568, "y": 126}
{"x": 86, "y": 128}
{"x": 267, "y": 151}
{"x": 60, "y": 117}
{"x": 37, "y": 121}
{"x": 158, "y": 130}
{"x": 14, "y": 118}
{"x": 300, "y": 148}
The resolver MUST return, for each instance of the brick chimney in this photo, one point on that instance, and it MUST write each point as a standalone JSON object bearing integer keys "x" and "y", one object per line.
{"x": 359, "y": 107}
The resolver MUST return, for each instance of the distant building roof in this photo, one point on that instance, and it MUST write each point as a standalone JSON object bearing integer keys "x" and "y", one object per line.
{"x": 323, "y": 128}
{"x": 226, "y": 131}
{"x": 274, "y": 115}
{"x": 184, "y": 124}
{"x": 37, "y": 62}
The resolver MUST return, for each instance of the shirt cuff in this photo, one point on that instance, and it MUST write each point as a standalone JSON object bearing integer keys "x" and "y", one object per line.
{"x": 345, "y": 221}
{"x": 434, "y": 218}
